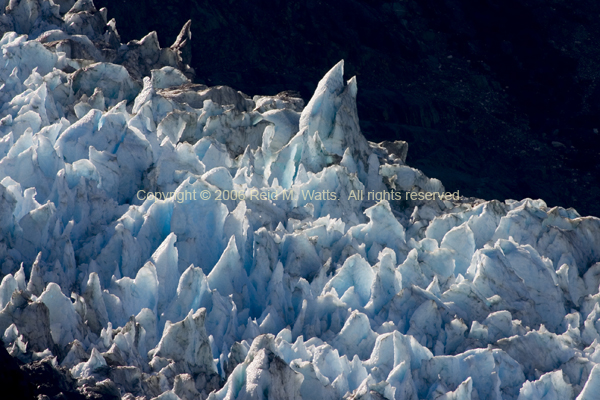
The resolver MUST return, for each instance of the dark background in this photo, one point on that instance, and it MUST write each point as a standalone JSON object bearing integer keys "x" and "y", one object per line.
{"x": 496, "y": 98}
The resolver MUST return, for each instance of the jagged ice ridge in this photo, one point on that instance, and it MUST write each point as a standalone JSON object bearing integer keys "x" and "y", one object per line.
{"x": 277, "y": 298}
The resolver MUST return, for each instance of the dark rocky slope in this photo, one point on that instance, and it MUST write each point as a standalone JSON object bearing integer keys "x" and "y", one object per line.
{"x": 496, "y": 99}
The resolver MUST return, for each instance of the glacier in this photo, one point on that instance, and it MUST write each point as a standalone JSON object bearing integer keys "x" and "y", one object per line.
{"x": 162, "y": 239}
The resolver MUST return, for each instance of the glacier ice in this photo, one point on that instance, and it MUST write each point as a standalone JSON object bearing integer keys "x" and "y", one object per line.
{"x": 162, "y": 239}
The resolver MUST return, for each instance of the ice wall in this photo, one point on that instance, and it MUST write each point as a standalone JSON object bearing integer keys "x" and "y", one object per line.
{"x": 187, "y": 242}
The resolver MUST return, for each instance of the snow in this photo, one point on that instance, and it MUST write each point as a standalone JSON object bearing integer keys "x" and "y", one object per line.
{"x": 180, "y": 241}
{"x": 550, "y": 385}
{"x": 85, "y": 369}
{"x": 186, "y": 342}
{"x": 590, "y": 390}
{"x": 64, "y": 321}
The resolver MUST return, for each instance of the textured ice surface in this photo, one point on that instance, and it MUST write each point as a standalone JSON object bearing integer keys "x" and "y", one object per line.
{"x": 286, "y": 283}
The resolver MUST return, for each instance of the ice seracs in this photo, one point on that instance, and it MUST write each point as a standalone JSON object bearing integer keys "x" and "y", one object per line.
{"x": 165, "y": 239}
